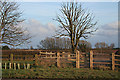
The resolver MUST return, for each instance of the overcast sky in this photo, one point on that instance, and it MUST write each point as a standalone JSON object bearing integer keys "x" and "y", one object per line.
{"x": 39, "y": 20}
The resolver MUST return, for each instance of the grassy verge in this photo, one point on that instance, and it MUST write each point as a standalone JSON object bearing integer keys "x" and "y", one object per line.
{"x": 54, "y": 72}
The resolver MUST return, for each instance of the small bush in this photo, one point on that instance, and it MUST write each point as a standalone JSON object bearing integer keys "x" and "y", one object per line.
{"x": 5, "y": 48}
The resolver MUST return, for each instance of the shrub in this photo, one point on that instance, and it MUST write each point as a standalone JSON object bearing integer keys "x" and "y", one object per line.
{"x": 5, "y": 48}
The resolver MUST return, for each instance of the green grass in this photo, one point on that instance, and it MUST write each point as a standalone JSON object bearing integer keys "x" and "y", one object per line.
{"x": 54, "y": 72}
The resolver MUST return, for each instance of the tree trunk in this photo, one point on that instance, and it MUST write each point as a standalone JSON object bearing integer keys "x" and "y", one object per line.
{"x": 74, "y": 49}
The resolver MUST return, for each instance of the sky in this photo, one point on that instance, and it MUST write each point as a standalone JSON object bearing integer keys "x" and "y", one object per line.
{"x": 40, "y": 24}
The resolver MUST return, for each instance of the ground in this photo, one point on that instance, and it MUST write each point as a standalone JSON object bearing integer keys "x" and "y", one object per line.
{"x": 61, "y": 73}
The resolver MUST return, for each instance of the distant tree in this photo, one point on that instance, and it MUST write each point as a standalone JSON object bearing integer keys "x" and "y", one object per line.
{"x": 112, "y": 45}
{"x": 97, "y": 45}
{"x": 75, "y": 23}
{"x": 31, "y": 47}
{"x": 84, "y": 45}
{"x": 101, "y": 45}
{"x": 10, "y": 17}
{"x": 55, "y": 43}
{"x": 5, "y": 48}
{"x": 47, "y": 43}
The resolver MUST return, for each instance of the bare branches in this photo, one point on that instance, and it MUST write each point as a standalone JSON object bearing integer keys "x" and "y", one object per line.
{"x": 76, "y": 21}
{"x": 55, "y": 43}
{"x": 11, "y": 34}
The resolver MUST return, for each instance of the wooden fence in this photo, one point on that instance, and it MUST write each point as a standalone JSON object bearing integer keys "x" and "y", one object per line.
{"x": 104, "y": 60}
{"x": 94, "y": 59}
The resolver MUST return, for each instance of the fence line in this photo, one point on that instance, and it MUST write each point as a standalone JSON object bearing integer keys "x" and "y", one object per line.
{"x": 15, "y": 66}
{"x": 95, "y": 59}
{"x": 102, "y": 59}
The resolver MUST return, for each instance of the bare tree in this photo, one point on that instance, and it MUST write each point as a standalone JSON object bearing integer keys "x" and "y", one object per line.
{"x": 55, "y": 43}
{"x": 101, "y": 45}
{"x": 10, "y": 17}
{"x": 75, "y": 23}
{"x": 84, "y": 46}
{"x": 112, "y": 45}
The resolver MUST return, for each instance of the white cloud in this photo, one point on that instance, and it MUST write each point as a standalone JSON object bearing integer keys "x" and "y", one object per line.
{"x": 110, "y": 29}
{"x": 106, "y": 33}
{"x": 39, "y": 31}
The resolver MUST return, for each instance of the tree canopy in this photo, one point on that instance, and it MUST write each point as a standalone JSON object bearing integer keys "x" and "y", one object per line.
{"x": 75, "y": 22}
{"x": 10, "y": 17}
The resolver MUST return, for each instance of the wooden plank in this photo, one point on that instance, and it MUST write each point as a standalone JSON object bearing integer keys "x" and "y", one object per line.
{"x": 72, "y": 59}
{"x": 101, "y": 62}
{"x": 46, "y": 53}
{"x": 117, "y": 55}
{"x": 102, "y": 54}
{"x": 56, "y": 57}
{"x": 23, "y": 60}
{"x": 3, "y": 55}
{"x": 81, "y": 60}
{"x": 117, "y": 59}
{"x": 102, "y": 66}
{"x": 51, "y": 57}
{"x": 81, "y": 66}
{"x": 117, "y": 64}
{"x": 23, "y": 55}
{"x": 101, "y": 59}
{"x": 4, "y": 59}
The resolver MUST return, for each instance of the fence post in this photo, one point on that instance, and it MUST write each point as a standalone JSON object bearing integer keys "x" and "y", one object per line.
{"x": 68, "y": 56}
{"x": 36, "y": 59}
{"x": 63, "y": 54}
{"x": 91, "y": 59}
{"x": 28, "y": 66}
{"x": 113, "y": 61}
{"x": 77, "y": 59}
{"x": 0, "y": 65}
{"x": 50, "y": 55}
{"x": 9, "y": 65}
{"x": 14, "y": 66}
{"x": 58, "y": 59}
{"x": 18, "y": 66}
{"x": 85, "y": 60}
{"x": 24, "y": 66}
{"x": 11, "y": 59}
{"x": 5, "y": 66}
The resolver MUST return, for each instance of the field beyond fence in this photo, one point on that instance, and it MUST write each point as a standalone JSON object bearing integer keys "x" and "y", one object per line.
{"x": 26, "y": 59}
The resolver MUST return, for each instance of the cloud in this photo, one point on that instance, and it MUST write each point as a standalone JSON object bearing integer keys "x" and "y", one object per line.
{"x": 106, "y": 33}
{"x": 110, "y": 29}
{"x": 38, "y": 30}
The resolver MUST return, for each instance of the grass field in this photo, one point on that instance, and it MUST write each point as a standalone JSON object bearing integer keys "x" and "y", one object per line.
{"x": 64, "y": 73}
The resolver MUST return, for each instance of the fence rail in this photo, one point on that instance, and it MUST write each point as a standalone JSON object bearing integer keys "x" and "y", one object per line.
{"x": 92, "y": 60}
{"x": 103, "y": 60}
